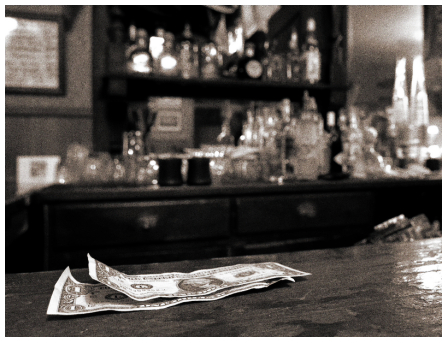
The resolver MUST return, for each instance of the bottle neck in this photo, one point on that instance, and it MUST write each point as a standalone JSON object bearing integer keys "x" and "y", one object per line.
{"x": 294, "y": 41}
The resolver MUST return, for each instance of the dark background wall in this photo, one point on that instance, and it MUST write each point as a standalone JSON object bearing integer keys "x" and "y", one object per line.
{"x": 46, "y": 125}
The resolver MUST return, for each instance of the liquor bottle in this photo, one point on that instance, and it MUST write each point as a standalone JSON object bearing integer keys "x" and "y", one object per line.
{"x": 249, "y": 67}
{"x": 267, "y": 72}
{"x": 116, "y": 52}
{"x": 270, "y": 152}
{"x": 168, "y": 59}
{"x": 288, "y": 142}
{"x": 156, "y": 47}
{"x": 311, "y": 58}
{"x": 400, "y": 113}
{"x": 188, "y": 55}
{"x": 276, "y": 65}
{"x": 309, "y": 135}
{"x": 293, "y": 57}
{"x": 131, "y": 39}
{"x": 209, "y": 61}
{"x": 247, "y": 137}
{"x": 138, "y": 57}
{"x": 332, "y": 137}
{"x": 356, "y": 144}
{"x": 418, "y": 111}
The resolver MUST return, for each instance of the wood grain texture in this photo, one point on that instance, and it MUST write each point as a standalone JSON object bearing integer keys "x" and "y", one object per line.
{"x": 375, "y": 290}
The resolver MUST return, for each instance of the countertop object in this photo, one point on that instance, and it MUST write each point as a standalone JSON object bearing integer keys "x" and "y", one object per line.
{"x": 372, "y": 290}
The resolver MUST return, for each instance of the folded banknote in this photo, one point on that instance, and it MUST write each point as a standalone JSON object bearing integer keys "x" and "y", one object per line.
{"x": 71, "y": 297}
{"x": 197, "y": 283}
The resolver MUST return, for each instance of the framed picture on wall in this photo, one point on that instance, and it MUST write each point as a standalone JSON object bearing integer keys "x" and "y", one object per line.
{"x": 34, "y": 172}
{"x": 34, "y": 54}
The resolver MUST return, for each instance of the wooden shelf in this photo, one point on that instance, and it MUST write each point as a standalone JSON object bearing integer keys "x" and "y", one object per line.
{"x": 136, "y": 86}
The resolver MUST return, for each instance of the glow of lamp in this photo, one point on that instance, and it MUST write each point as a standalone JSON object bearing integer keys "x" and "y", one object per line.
{"x": 434, "y": 151}
{"x": 433, "y": 130}
{"x": 168, "y": 62}
{"x": 10, "y": 25}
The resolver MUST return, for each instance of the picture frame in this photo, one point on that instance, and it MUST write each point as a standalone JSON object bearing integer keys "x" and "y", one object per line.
{"x": 34, "y": 54}
{"x": 168, "y": 121}
{"x": 34, "y": 172}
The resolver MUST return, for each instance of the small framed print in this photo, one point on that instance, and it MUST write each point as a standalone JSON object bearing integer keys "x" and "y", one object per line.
{"x": 169, "y": 121}
{"x": 34, "y": 54}
{"x": 35, "y": 172}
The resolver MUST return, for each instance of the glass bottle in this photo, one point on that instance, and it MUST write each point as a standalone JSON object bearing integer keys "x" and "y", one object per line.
{"x": 267, "y": 72}
{"x": 168, "y": 60}
{"x": 309, "y": 134}
{"x": 248, "y": 66}
{"x": 209, "y": 61}
{"x": 293, "y": 57}
{"x": 247, "y": 137}
{"x": 188, "y": 55}
{"x": 116, "y": 52}
{"x": 131, "y": 39}
{"x": 288, "y": 142}
{"x": 311, "y": 58}
{"x": 356, "y": 144}
{"x": 156, "y": 47}
{"x": 276, "y": 65}
{"x": 418, "y": 111}
{"x": 400, "y": 112}
{"x": 330, "y": 140}
{"x": 270, "y": 151}
{"x": 139, "y": 59}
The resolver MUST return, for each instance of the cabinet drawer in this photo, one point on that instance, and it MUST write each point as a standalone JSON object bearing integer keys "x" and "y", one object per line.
{"x": 107, "y": 224}
{"x": 285, "y": 213}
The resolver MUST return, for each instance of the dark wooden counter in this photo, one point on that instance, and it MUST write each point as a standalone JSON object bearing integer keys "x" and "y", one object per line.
{"x": 58, "y": 193}
{"x": 374, "y": 290}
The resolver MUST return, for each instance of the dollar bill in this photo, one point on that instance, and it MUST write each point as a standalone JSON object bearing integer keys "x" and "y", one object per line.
{"x": 71, "y": 297}
{"x": 197, "y": 283}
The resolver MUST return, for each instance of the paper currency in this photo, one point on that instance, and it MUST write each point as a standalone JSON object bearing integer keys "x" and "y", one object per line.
{"x": 197, "y": 283}
{"x": 71, "y": 297}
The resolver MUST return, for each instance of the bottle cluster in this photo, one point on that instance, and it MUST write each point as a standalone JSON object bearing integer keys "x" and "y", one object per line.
{"x": 292, "y": 141}
{"x": 409, "y": 116}
{"x": 188, "y": 57}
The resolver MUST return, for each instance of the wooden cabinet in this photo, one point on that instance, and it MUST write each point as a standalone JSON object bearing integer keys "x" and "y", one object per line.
{"x": 124, "y": 225}
{"x": 304, "y": 212}
{"x": 92, "y": 225}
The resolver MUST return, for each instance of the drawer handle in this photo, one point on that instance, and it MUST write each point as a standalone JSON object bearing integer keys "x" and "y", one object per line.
{"x": 147, "y": 222}
{"x": 307, "y": 209}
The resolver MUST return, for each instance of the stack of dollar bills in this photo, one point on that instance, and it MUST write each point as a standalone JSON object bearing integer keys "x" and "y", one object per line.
{"x": 121, "y": 292}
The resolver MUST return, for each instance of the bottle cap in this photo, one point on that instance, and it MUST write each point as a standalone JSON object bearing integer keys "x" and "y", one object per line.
{"x": 141, "y": 33}
{"x": 187, "y": 31}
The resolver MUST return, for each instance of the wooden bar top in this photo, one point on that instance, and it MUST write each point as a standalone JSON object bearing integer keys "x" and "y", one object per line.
{"x": 371, "y": 290}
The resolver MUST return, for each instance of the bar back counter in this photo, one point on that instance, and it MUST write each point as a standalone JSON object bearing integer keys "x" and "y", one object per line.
{"x": 133, "y": 225}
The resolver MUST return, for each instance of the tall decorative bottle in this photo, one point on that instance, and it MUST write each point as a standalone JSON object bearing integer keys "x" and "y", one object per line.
{"x": 188, "y": 55}
{"x": 418, "y": 112}
{"x": 400, "y": 112}
{"x": 311, "y": 58}
{"x": 288, "y": 141}
{"x": 293, "y": 57}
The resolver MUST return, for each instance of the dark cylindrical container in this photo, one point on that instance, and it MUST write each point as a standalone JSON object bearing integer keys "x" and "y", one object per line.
{"x": 170, "y": 171}
{"x": 199, "y": 171}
